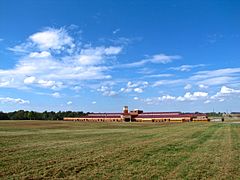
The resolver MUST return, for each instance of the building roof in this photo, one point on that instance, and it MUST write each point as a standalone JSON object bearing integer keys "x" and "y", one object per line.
{"x": 160, "y": 113}
{"x": 105, "y": 114}
{"x": 164, "y": 116}
{"x": 100, "y": 116}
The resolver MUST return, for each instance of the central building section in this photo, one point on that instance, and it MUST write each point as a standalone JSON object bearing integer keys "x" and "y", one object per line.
{"x": 126, "y": 116}
{"x": 130, "y": 116}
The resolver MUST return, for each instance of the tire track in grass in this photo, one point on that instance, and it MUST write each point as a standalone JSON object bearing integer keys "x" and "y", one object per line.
{"x": 198, "y": 140}
{"x": 208, "y": 160}
{"x": 160, "y": 159}
{"x": 225, "y": 169}
{"x": 235, "y": 134}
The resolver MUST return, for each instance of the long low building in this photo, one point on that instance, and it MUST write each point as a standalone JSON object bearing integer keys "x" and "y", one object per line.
{"x": 140, "y": 116}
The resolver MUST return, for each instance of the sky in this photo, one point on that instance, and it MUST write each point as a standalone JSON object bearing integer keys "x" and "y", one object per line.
{"x": 98, "y": 56}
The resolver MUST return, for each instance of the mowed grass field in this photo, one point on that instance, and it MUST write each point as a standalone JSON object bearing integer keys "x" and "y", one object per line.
{"x": 78, "y": 150}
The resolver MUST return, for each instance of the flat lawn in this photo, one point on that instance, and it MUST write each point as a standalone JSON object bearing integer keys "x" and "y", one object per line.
{"x": 78, "y": 150}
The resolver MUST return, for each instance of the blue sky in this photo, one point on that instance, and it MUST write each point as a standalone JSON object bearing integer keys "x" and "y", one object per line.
{"x": 101, "y": 55}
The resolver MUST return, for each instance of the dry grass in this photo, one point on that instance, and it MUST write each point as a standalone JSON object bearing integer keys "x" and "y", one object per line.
{"x": 75, "y": 150}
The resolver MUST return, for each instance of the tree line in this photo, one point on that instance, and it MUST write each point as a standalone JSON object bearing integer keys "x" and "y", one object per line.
{"x": 33, "y": 115}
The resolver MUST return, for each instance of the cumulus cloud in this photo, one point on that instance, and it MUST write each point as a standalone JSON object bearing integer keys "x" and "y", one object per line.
{"x": 43, "y": 54}
{"x": 138, "y": 90}
{"x": 48, "y": 63}
{"x": 29, "y": 80}
{"x": 94, "y": 102}
{"x": 69, "y": 102}
{"x": 192, "y": 96}
{"x": 13, "y": 100}
{"x": 225, "y": 92}
{"x": 107, "y": 91}
{"x": 51, "y": 38}
{"x": 166, "y": 97}
{"x": 135, "y": 87}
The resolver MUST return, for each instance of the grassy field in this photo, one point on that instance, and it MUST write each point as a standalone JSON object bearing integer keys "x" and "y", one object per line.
{"x": 75, "y": 150}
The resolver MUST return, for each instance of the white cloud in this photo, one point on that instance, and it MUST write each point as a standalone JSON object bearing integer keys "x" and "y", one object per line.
{"x": 135, "y": 87}
{"x": 13, "y": 100}
{"x": 69, "y": 102}
{"x": 158, "y": 75}
{"x": 192, "y": 96}
{"x": 29, "y": 80}
{"x": 226, "y": 72}
{"x": 4, "y": 82}
{"x": 186, "y": 67}
{"x": 225, "y": 92}
{"x": 112, "y": 50}
{"x": 136, "y": 98}
{"x": 162, "y": 58}
{"x": 157, "y": 100}
{"x": 188, "y": 86}
{"x": 77, "y": 88}
{"x": 207, "y": 101}
{"x": 217, "y": 80}
{"x": 166, "y": 97}
{"x": 43, "y": 83}
{"x": 138, "y": 90}
{"x": 168, "y": 82}
{"x": 22, "y": 48}
{"x": 216, "y": 77}
{"x": 156, "y": 59}
{"x": 116, "y": 31}
{"x": 150, "y": 101}
{"x": 56, "y": 94}
{"x": 51, "y": 38}
{"x": 43, "y": 54}
{"x": 94, "y": 56}
{"x": 49, "y": 84}
{"x": 202, "y": 86}
{"x": 94, "y": 102}
{"x": 107, "y": 91}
